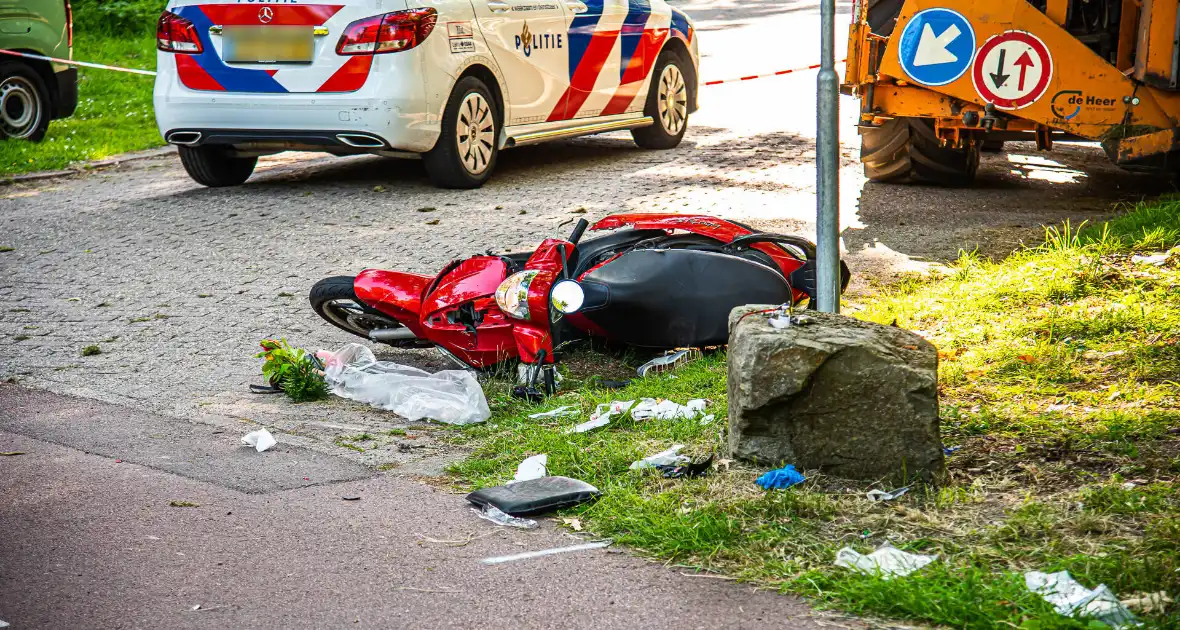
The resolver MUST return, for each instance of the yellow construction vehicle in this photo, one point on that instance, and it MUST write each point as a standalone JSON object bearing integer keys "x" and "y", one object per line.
{"x": 941, "y": 80}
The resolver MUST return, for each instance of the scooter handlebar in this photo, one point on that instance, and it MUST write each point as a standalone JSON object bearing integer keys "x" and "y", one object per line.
{"x": 579, "y": 230}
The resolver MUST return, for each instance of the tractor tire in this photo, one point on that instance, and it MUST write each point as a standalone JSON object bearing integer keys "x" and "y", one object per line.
{"x": 907, "y": 151}
{"x": 992, "y": 146}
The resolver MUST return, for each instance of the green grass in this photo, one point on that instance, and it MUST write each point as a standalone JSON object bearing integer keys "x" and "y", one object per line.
{"x": 114, "y": 113}
{"x": 1059, "y": 380}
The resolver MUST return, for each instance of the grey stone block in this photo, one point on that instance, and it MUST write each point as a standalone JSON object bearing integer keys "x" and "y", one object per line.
{"x": 850, "y": 398}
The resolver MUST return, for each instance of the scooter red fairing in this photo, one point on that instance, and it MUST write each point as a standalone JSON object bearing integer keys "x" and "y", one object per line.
{"x": 656, "y": 281}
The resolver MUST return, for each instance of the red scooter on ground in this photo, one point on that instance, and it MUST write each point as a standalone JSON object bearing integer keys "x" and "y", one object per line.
{"x": 657, "y": 281}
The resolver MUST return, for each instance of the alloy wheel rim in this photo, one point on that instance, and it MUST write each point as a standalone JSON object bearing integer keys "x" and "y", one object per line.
{"x": 673, "y": 100}
{"x": 20, "y": 111}
{"x": 475, "y": 133}
{"x": 349, "y": 315}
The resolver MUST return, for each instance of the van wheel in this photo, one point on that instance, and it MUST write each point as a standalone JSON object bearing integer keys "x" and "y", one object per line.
{"x": 667, "y": 104}
{"x": 466, "y": 151}
{"x": 24, "y": 102}
{"x": 215, "y": 167}
{"x": 907, "y": 151}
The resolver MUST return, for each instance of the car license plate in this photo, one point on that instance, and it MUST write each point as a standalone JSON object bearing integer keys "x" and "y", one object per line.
{"x": 268, "y": 44}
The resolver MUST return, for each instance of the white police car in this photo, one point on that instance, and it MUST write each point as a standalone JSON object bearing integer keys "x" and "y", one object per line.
{"x": 454, "y": 81}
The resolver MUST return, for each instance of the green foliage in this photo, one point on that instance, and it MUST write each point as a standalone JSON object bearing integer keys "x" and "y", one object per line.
{"x": 114, "y": 115}
{"x": 116, "y": 17}
{"x": 91, "y": 350}
{"x": 293, "y": 370}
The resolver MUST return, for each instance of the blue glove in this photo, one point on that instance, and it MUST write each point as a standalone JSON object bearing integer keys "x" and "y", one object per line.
{"x": 784, "y": 477}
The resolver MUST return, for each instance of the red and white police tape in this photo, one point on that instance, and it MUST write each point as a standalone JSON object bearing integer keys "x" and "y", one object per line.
{"x": 763, "y": 76}
{"x": 78, "y": 63}
{"x": 152, "y": 74}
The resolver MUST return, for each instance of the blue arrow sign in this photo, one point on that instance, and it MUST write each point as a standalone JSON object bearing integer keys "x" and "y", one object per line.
{"x": 936, "y": 46}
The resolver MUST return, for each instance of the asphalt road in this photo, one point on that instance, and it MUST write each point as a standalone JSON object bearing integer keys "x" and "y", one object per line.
{"x": 177, "y": 284}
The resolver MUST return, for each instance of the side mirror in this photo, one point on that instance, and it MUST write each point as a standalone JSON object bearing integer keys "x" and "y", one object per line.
{"x": 567, "y": 297}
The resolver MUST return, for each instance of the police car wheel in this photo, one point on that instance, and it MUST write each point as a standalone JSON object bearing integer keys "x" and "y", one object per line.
{"x": 466, "y": 151}
{"x": 667, "y": 104}
{"x": 215, "y": 166}
{"x": 24, "y": 102}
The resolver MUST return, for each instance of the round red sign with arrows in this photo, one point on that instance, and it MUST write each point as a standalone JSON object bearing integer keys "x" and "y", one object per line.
{"x": 1012, "y": 69}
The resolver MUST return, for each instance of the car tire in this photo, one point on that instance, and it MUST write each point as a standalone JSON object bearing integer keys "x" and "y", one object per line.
{"x": 215, "y": 167}
{"x": 667, "y": 104}
{"x": 467, "y": 148}
{"x": 25, "y": 104}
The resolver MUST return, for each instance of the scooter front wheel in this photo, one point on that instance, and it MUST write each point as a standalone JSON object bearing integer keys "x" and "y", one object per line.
{"x": 335, "y": 300}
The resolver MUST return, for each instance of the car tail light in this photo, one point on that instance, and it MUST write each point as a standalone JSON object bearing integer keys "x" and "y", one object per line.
{"x": 70, "y": 26}
{"x": 176, "y": 34}
{"x": 392, "y": 32}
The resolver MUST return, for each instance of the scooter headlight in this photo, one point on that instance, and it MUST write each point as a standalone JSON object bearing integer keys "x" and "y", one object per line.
{"x": 512, "y": 296}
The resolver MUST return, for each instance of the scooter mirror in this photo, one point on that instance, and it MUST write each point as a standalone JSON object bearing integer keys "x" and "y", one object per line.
{"x": 567, "y": 296}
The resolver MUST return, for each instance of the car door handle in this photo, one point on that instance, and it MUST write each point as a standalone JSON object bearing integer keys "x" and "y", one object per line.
{"x": 576, "y": 6}
{"x": 499, "y": 7}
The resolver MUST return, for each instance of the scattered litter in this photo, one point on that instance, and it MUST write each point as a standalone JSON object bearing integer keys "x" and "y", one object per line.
{"x": 784, "y": 477}
{"x": 535, "y": 495}
{"x": 261, "y": 440}
{"x": 951, "y": 450}
{"x": 707, "y": 419}
{"x": 612, "y": 384}
{"x": 783, "y": 320}
{"x": 449, "y": 396}
{"x": 546, "y": 552}
{"x": 603, "y": 414}
{"x": 568, "y": 410}
{"x": 881, "y": 495}
{"x": 265, "y": 389}
{"x": 531, "y": 468}
{"x": 670, "y": 457}
{"x": 3, "y": 624}
{"x": 351, "y": 497}
{"x": 12, "y": 453}
{"x": 691, "y": 469}
{"x": 668, "y": 362}
{"x": 1155, "y": 259}
{"x": 197, "y": 607}
{"x": 528, "y": 373}
{"x": 1148, "y": 602}
{"x": 497, "y": 516}
{"x": 1072, "y": 599}
{"x": 887, "y": 562}
{"x": 667, "y": 410}
{"x": 573, "y": 523}
{"x": 457, "y": 543}
{"x": 1059, "y": 407}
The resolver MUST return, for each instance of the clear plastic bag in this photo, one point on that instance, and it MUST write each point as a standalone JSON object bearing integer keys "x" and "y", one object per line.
{"x": 450, "y": 396}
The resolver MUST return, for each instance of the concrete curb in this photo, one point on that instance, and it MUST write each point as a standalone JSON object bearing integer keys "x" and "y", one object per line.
{"x": 88, "y": 166}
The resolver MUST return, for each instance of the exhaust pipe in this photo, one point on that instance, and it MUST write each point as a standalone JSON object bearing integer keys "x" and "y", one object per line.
{"x": 386, "y": 335}
{"x": 360, "y": 141}
{"x": 185, "y": 138}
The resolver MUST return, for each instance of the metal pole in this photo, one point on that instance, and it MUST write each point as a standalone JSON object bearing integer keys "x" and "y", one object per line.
{"x": 827, "y": 152}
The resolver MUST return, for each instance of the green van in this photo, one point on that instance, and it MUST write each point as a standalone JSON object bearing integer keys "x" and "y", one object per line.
{"x": 33, "y": 91}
